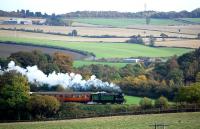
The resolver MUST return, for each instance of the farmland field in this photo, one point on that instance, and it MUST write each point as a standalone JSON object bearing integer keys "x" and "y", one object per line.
{"x": 7, "y": 49}
{"x": 180, "y": 43}
{"x": 106, "y": 50}
{"x": 175, "y": 121}
{"x": 189, "y": 30}
{"x": 197, "y": 20}
{"x": 79, "y": 63}
{"x": 126, "y": 22}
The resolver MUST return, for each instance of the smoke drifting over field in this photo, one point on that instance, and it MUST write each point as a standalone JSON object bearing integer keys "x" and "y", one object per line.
{"x": 67, "y": 80}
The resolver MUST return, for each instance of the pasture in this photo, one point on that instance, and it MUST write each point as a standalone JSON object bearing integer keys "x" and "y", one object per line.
{"x": 106, "y": 50}
{"x": 79, "y": 63}
{"x": 175, "y": 120}
{"x": 197, "y": 20}
{"x": 132, "y": 100}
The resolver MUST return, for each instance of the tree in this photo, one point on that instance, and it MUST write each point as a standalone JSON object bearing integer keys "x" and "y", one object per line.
{"x": 43, "y": 106}
{"x": 198, "y": 77}
{"x": 43, "y": 61}
{"x": 146, "y": 103}
{"x": 136, "y": 39}
{"x": 3, "y": 63}
{"x": 152, "y": 40}
{"x": 132, "y": 70}
{"x": 189, "y": 94}
{"x": 55, "y": 21}
{"x": 74, "y": 33}
{"x": 177, "y": 76}
{"x": 198, "y": 36}
{"x": 161, "y": 102}
{"x": 163, "y": 35}
{"x": 63, "y": 61}
{"x": 148, "y": 20}
{"x": 14, "y": 92}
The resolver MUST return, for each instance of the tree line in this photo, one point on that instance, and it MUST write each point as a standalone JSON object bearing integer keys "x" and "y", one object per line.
{"x": 105, "y": 14}
{"x": 143, "y": 14}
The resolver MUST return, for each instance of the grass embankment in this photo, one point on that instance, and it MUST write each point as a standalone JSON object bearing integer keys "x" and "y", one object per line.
{"x": 106, "y": 50}
{"x": 175, "y": 121}
{"x": 123, "y": 22}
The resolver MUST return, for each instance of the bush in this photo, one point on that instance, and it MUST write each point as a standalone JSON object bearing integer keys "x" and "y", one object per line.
{"x": 136, "y": 39}
{"x": 162, "y": 102}
{"x": 146, "y": 103}
{"x": 43, "y": 106}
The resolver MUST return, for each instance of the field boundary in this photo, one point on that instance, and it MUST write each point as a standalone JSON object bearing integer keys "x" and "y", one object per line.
{"x": 124, "y": 113}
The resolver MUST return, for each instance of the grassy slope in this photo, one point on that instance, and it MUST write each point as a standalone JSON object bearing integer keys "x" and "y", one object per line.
{"x": 175, "y": 120}
{"x": 80, "y": 63}
{"x": 107, "y": 50}
{"x": 132, "y": 100}
{"x": 126, "y": 22}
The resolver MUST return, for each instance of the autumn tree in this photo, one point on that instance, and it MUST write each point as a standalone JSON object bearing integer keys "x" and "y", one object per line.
{"x": 161, "y": 102}
{"x": 63, "y": 61}
{"x": 146, "y": 103}
{"x": 43, "y": 106}
{"x": 43, "y": 61}
{"x": 189, "y": 94}
{"x": 198, "y": 77}
{"x": 132, "y": 70}
{"x": 14, "y": 92}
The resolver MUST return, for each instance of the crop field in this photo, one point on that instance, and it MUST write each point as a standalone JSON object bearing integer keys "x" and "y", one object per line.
{"x": 126, "y": 22}
{"x": 174, "y": 120}
{"x": 180, "y": 43}
{"x": 20, "y": 34}
{"x": 107, "y": 50}
{"x": 188, "y": 31}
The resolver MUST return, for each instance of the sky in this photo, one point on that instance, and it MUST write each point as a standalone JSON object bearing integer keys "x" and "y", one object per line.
{"x": 65, "y": 6}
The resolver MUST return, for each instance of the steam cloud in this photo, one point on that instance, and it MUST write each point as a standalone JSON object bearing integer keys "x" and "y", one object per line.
{"x": 70, "y": 81}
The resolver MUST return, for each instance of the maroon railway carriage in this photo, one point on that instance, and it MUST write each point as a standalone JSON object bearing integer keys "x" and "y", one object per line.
{"x": 82, "y": 97}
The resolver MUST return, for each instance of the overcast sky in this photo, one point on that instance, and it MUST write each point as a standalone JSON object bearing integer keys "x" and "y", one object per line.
{"x": 64, "y": 6}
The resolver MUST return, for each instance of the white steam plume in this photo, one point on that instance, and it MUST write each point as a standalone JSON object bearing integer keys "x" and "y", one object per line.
{"x": 72, "y": 80}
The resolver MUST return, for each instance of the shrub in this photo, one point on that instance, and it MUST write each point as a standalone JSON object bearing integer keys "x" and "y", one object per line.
{"x": 136, "y": 39}
{"x": 146, "y": 103}
{"x": 162, "y": 102}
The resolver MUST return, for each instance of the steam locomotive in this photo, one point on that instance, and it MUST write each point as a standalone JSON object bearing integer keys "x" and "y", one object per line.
{"x": 85, "y": 97}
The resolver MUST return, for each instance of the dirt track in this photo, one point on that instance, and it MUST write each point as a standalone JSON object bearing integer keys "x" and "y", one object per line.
{"x": 7, "y": 49}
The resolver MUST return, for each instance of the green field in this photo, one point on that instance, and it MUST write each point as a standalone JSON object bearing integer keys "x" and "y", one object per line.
{"x": 175, "y": 121}
{"x": 132, "y": 100}
{"x": 126, "y": 22}
{"x": 79, "y": 63}
{"x": 106, "y": 50}
{"x": 197, "y": 20}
